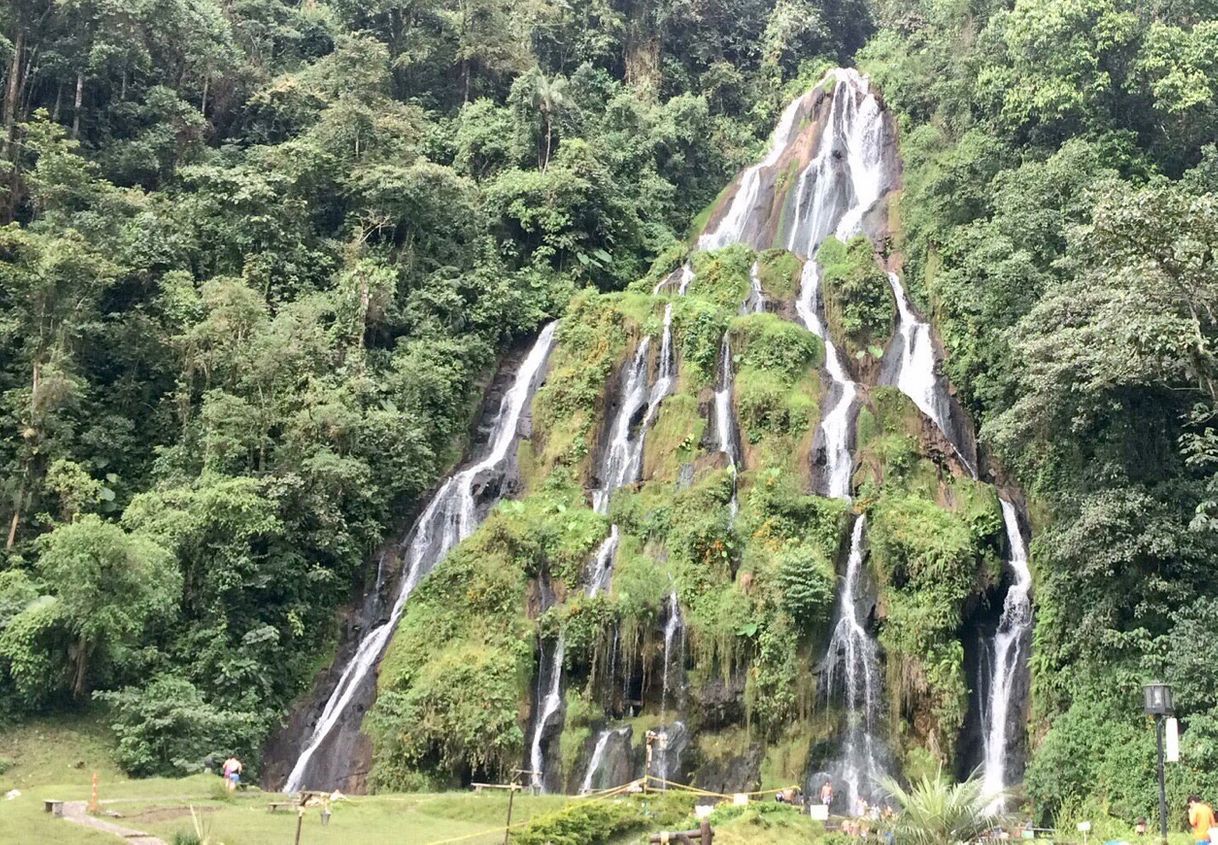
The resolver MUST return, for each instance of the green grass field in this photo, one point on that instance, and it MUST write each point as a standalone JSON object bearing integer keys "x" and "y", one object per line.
{"x": 56, "y": 758}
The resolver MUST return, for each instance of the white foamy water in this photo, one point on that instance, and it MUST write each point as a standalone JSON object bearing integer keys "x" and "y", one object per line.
{"x": 1008, "y": 657}
{"x": 852, "y": 671}
{"x": 731, "y": 227}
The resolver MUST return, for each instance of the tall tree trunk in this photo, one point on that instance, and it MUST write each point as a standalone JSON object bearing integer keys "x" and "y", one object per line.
{"x": 80, "y": 97}
{"x": 19, "y": 502}
{"x": 16, "y": 520}
{"x": 203, "y": 104}
{"x": 549, "y": 136}
{"x": 58, "y": 101}
{"x": 11, "y": 93}
{"x": 82, "y": 668}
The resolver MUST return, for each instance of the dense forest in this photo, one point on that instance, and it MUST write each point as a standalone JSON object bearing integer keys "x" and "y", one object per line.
{"x": 261, "y": 258}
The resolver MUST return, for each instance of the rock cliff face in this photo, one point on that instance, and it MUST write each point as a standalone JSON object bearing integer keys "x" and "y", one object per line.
{"x": 748, "y": 517}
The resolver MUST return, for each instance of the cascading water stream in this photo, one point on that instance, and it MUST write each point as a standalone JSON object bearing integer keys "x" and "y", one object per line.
{"x": 844, "y": 180}
{"x": 598, "y": 756}
{"x": 835, "y": 425}
{"x": 621, "y": 465}
{"x": 915, "y": 376}
{"x": 450, "y": 517}
{"x": 1008, "y": 658}
{"x": 674, "y": 629}
{"x": 853, "y": 669}
{"x": 755, "y": 303}
{"x": 731, "y": 228}
{"x": 725, "y": 424}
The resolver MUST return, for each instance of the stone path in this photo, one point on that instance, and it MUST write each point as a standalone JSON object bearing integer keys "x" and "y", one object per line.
{"x": 74, "y": 811}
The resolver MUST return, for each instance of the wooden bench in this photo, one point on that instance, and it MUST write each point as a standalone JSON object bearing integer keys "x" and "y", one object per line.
{"x": 53, "y": 806}
{"x": 478, "y": 787}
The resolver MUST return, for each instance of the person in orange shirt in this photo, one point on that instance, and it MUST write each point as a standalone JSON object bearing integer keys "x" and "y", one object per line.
{"x": 1201, "y": 817}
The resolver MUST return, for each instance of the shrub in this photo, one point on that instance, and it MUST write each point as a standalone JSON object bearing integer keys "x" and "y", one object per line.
{"x": 167, "y": 728}
{"x": 583, "y": 823}
{"x": 858, "y": 301}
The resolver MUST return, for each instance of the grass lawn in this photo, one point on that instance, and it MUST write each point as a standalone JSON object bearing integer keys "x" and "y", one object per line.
{"x": 162, "y": 807}
{"x": 56, "y": 758}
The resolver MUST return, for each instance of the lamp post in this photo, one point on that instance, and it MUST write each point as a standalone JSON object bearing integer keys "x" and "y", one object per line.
{"x": 1156, "y": 702}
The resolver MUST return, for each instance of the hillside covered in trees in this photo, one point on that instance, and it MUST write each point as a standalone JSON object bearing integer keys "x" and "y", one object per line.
{"x": 262, "y": 260}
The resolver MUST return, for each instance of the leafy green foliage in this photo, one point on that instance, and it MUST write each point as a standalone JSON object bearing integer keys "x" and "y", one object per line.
{"x": 779, "y": 271}
{"x": 858, "y": 302}
{"x": 1056, "y": 216}
{"x": 935, "y": 812}
{"x": 257, "y": 259}
{"x": 165, "y": 727}
{"x": 599, "y": 821}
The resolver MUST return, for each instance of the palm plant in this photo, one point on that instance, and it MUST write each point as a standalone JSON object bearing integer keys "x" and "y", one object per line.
{"x": 935, "y": 812}
{"x": 549, "y": 98}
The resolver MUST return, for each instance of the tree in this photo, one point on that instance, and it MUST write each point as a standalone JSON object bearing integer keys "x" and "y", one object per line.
{"x": 110, "y": 585}
{"x": 935, "y": 812}
{"x": 549, "y": 97}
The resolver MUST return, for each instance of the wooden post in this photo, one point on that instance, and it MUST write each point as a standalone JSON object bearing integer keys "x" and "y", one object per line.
{"x": 651, "y": 738}
{"x": 507, "y": 826}
{"x": 94, "y": 805}
{"x": 300, "y": 811}
{"x": 707, "y": 833}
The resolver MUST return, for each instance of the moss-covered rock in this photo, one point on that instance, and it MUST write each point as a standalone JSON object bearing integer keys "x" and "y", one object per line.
{"x": 722, "y": 276}
{"x": 859, "y": 307}
{"x": 779, "y": 271}
{"x": 454, "y": 675}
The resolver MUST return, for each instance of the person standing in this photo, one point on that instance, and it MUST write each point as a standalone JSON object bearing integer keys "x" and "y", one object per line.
{"x": 232, "y": 773}
{"x": 826, "y": 792}
{"x": 1201, "y": 818}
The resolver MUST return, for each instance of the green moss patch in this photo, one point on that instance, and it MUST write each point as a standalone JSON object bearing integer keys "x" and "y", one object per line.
{"x": 859, "y": 307}
{"x": 779, "y": 271}
{"x": 453, "y": 677}
{"x": 722, "y": 276}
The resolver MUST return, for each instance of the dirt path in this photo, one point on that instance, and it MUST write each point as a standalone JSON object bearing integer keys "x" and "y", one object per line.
{"x": 74, "y": 811}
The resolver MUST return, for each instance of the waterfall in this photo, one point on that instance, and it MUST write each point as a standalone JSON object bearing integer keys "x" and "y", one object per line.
{"x": 598, "y": 756}
{"x": 621, "y": 464}
{"x": 725, "y": 427}
{"x": 844, "y": 180}
{"x": 731, "y": 228}
{"x": 621, "y": 460}
{"x": 1009, "y": 658}
{"x": 670, "y": 741}
{"x": 755, "y": 303}
{"x": 852, "y": 668}
{"x": 549, "y": 706}
{"x": 915, "y": 375}
{"x": 835, "y": 424}
{"x": 674, "y": 628}
{"x": 848, "y": 174}
{"x": 450, "y": 517}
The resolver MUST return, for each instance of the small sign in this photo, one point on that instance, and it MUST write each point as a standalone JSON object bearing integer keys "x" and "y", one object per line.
{"x": 740, "y": 799}
{"x": 703, "y": 811}
{"x": 1171, "y": 740}
{"x": 819, "y": 812}
{"x": 1084, "y": 827}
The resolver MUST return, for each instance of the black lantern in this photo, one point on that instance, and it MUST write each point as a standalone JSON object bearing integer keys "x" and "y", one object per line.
{"x": 1156, "y": 699}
